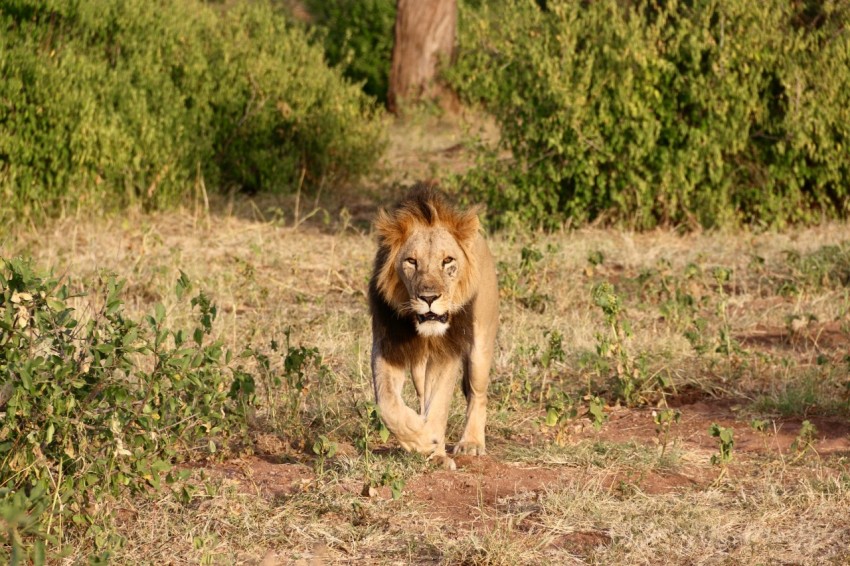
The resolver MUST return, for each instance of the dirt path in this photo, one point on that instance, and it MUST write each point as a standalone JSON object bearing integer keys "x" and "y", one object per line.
{"x": 484, "y": 486}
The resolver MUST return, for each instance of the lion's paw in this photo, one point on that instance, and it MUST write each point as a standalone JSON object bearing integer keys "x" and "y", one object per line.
{"x": 469, "y": 448}
{"x": 443, "y": 461}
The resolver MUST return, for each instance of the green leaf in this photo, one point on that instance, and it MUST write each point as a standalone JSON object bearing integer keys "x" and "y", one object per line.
{"x": 396, "y": 487}
{"x": 182, "y": 285}
{"x": 26, "y": 378}
{"x": 106, "y": 348}
{"x": 39, "y": 556}
{"x": 595, "y": 408}
{"x": 55, "y": 304}
{"x": 552, "y": 416}
{"x": 159, "y": 313}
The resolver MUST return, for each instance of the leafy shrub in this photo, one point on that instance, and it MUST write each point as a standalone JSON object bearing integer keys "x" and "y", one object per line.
{"x": 113, "y": 102}
{"x": 650, "y": 113}
{"x": 281, "y": 113}
{"x": 103, "y": 100}
{"x": 358, "y": 35}
{"x": 90, "y": 407}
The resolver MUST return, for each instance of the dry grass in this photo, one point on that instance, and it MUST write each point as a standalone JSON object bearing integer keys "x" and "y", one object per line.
{"x": 268, "y": 277}
{"x": 569, "y": 493}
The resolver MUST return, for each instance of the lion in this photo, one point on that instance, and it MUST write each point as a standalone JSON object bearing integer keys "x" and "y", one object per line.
{"x": 434, "y": 303}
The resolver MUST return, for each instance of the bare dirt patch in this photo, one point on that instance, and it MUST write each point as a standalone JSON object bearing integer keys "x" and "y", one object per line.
{"x": 269, "y": 479}
{"x": 802, "y": 337}
{"x": 833, "y": 437}
{"x": 480, "y": 484}
{"x": 471, "y": 497}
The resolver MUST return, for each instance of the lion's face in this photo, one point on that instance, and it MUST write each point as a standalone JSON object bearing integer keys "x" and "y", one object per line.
{"x": 425, "y": 267}
{"x": 430, "y": 263}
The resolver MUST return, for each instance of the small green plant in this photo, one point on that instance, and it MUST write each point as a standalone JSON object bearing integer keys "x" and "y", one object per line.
{"x": 595, "y": 258}
{"x": 287, "y": 383}
{"x": 370, "y": 417}
{"x": 559, "y": 409}
{"x": 323, "y": 448}
{"x": 805, "y": 440}
{"x": 664, "y": 419}
{"x": 553, "y": 354}
{"x": 596, "y": 410}
{"x": 726, "y": 442}
{"x": 696, "y": 335}
{"x": 389, "y": 475}
{"x": 678, "y": 295}
{"x": 632, "y": 382}
{"x": 394, "y": 481}
{"x": 726, "y": 343}
{"x": 530, "y": 256}
{"x": 759, "y": 425}
{"x": 523, "y": 282}
{"x": 699, "y": 329}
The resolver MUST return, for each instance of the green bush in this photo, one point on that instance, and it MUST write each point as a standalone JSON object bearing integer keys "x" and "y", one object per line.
{"x": 358, "y": 35}
{"x": 282, "y": 113}
{"x": 93, "y": 406}
{"x": 646, "y": 113}
{"x": 104, "y": 101}
{"x": 109, "y": 102}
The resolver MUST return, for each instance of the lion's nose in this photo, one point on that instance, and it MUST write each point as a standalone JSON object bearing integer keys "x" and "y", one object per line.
{"x": 429, "y": 298}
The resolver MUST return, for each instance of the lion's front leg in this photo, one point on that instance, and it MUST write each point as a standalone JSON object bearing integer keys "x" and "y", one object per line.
{"x": 401, "y": 420}
{"x": 476, "y": 378}
{"x": 440, "y": 379}
{"x": 417, "y": 373}
{"x": 425, "y": 433}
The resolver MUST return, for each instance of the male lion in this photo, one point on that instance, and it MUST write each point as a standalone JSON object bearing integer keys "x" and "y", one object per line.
{"x": 434, "y": 301}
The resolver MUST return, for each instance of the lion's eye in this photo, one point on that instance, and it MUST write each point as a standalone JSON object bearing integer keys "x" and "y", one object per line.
{"x": 411, "y": 261}
{"x": 448, "y": 260}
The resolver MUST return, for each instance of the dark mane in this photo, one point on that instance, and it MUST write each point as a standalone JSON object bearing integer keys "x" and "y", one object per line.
{"x": 402, "y": 346}
{"x": 420, "y": 199}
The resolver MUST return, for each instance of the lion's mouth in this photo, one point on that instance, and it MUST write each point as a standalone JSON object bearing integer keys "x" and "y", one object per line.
{"x": 432, "y": 317}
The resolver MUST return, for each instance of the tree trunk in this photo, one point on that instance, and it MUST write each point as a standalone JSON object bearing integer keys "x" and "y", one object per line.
{"x": 424, "y": 36}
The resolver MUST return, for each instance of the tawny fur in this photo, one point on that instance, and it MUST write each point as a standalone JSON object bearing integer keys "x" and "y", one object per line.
{"x": 434, "y": 303}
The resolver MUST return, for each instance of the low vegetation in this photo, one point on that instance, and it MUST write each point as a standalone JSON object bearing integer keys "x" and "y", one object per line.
{"x": 101, "y": 405}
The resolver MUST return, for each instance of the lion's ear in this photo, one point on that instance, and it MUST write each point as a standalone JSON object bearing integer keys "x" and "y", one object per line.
{"x": 466, "y": 227}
